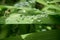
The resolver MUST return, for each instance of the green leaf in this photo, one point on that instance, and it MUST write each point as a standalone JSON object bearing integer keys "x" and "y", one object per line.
{"x": 42, "y": 2}
{"x": 48, "y": 35}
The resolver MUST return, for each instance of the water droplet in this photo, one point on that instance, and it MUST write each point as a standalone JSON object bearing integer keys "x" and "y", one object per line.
{"x": 43, "y": 29}
{"x": 24, "y": 11}
{"x": 40, "y": 26}
{"x": 38, "y": 20}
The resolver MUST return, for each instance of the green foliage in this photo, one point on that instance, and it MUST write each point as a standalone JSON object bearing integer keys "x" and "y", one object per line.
{"x": 14, "y": 32}
{"x": 13, "y": 38}
{"x": 49, "y": 35}
{"x": 30, "y": 12}
{"x": 25, "y": 13}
